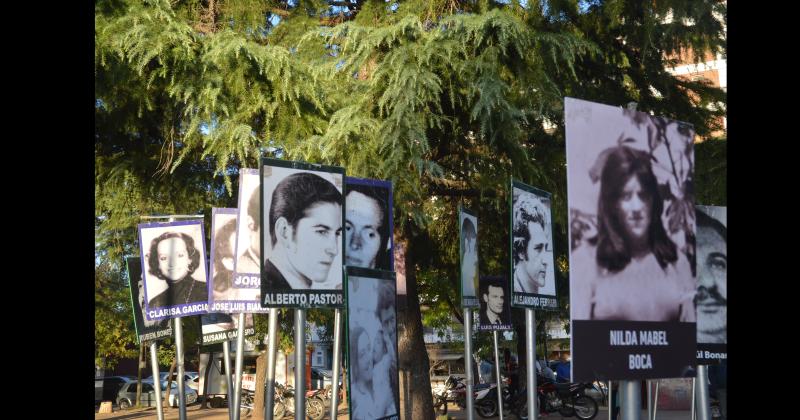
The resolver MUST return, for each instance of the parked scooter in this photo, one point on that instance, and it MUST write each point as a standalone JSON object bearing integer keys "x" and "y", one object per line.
{"x": 454, "y": 390}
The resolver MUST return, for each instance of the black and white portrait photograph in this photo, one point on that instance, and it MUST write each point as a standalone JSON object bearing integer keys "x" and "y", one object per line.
{"x": 174, "y": 269}
{"x": 303, "y": 234}
{"x": 468, "y": 251}
{"x": 631, "y": 226}
{"x": 372, "y": 343}
{"x": 219, "y": 327}
{"x": 533, "y": 271}
{"x": 495, "y": 308}
{"x": 368, "y": 223}
{"x": 146, "y": 330}
{"x": 223, "y": 250}
{"x": 244, "y": 293}
{"x": 248, "y": 249}
{"x": 712, "y": 276}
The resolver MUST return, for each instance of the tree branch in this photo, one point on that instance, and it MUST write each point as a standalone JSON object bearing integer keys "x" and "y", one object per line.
{"x": 459, "y": 192}
{"x": 454, "y": 309}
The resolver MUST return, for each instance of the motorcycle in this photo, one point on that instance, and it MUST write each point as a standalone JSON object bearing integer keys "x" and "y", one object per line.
{"x": 454, "y": 390}
{"x": 327, "y": 394}
{"x": 568, "y": 399}
{"x": 485, "y": 397}
{"x": 246, "y": 404}
{"x": 284, "y": 402}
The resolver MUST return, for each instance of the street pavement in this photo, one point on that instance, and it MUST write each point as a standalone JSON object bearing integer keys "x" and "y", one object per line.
{"x": 193, "y": 412}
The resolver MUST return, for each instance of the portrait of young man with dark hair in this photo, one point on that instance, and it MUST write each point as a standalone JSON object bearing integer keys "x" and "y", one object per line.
{"x": 305, "y": 227}
{"x": 494, "y": 301}
{"x": 532, "y": 248}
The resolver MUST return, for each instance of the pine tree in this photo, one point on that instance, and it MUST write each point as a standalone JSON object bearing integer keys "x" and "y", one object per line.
{"x": 447, "y": 99}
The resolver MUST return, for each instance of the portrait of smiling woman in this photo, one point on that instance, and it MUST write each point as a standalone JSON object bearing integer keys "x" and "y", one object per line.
{"x": 173, "y": 257}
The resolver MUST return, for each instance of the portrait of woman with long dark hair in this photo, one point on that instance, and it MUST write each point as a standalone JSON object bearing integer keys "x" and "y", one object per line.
{"x": 639, "y": 274}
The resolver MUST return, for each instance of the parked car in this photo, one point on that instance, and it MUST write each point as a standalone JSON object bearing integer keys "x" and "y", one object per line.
{"x": 190, "y": 378}
{"x": 126, "y": 397}
{"x": 106, "y": 389}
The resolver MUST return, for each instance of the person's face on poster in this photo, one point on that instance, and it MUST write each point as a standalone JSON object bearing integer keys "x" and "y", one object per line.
{"x": 227, "y": 260}
{"x": 712, "y": 291}
{"x": 365, "y": 356}
{"x": 173, "y": 259}
{"x": 635, "y": 204}
{"x": 535, "y": 264}
{"x": 364, "y": 218}
{"x": 314, "y": 244}
{"x": 255, "y": 235}
{"x": 494, "y": 299}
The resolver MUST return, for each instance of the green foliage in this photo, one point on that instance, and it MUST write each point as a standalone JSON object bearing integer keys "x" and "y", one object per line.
{"x": 447, "y": 99}
{"x": 712, "y": 172}
{"x": 115, "y": 335}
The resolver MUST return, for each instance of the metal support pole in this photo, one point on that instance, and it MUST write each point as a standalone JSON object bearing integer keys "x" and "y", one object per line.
{"x": 299, "y": 364}
{"x": 655, "y": 401}
{"x": 610, "y": 401}
{"x": 631, "y": 407}
{"x": 272, "y": 341}
{"x": 337, "y": 362}
{"x": 694, "y": 400}
{"x": 530, "y": 352}
{"x": 701, "y": 387}
{"x": 468, "y": 362}
{"x": 156, "y": 379}
{"x": 497, "y": 372}
{"x": 226, "y": 352}
{"x": 237, "y": 388}
{"x": 181, "y": 370}
{"x": 649, "y": 401}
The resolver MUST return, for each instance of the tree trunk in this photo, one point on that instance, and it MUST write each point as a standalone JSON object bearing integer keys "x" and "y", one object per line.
{"x": 142, "y": 359}
{"x": 261, "y": 381}
{"x": 167, "y": 390}
{"x": 415, "y": 385}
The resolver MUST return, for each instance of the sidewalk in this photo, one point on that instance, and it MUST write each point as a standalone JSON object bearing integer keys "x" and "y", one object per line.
{"x": 193, "y": 412}
{"x": 455, "y": 413}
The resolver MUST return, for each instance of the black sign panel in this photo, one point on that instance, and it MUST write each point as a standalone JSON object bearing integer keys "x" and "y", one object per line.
{"x": 631, "y": 350}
